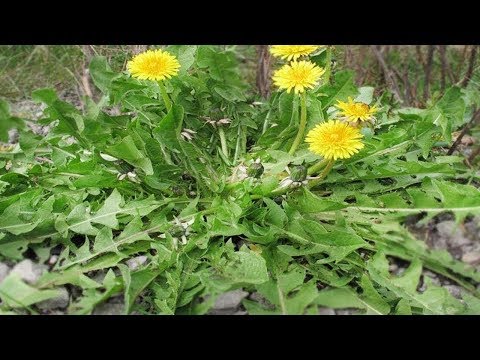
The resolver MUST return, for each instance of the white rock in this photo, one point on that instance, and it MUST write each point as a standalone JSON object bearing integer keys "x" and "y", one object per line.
{"x": 4, "y": 270}
{"x": 455, "y": 290}
{"x": 29, "y": 271}
{"x": 240, "y": 312}
{"x": 471, "y": 258}
{"x": 452, "y": 233}
{"x": 230, "y": 299}
{"x": 136, "y": 262}
{"x": 326, "y": 311}
{"x": 109, "y": 309}
{"x": 53, "y": 259}
{"x": 59, "y": 302}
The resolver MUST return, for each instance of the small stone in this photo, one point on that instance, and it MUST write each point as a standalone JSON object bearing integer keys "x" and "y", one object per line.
{"x": 4, "y": 270}
{"x": 99, "y": 276}
{"x": 222, "y": 312}
{"x": 230, "y": 299}
{"x": 136, "y": 262}
{"x": 472, "y": 258}
{"x": 452, "y": 234}
{"x": 241, "y": 312}
{"x": 472, "y": 228}
{"x": 53, "y": 259}
{"x": 326, "y": 311}
{"x": 455, "y": 290}
{"x": 109, "y": 309}
{"x": 29, "y": 271}
{"x": 59, "y": 302}
{"x": 345, "y": 312}
{"x": 433, "y": 277}
{"x": 393, "y": 268}
{"x": 56, "y": 312}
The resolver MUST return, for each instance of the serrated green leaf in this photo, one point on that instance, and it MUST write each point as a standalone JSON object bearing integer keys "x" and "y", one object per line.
{"x": 16, "y": 293}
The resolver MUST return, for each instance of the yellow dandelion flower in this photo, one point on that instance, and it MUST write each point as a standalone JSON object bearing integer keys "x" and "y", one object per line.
{"x": 299, "y": 76}
{"x": 334, "y": 140}
{"x": 292, "y": 52}
{"x": 356, "y": 111}
{"x": 153, "y": 65}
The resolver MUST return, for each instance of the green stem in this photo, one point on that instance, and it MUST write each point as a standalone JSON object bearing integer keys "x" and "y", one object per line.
{"x": 223, "y": 141}
{"x": 166, "y": 154}
{"x": 303, "y": 123}
{"x": 328, "y": 66}
{"x": 166, "y": 99}
{"x": 274, "y": 193}
{"x": 237, "y": 145}
{"x": 317, "y": 167}
{"x": 322, "y": 175}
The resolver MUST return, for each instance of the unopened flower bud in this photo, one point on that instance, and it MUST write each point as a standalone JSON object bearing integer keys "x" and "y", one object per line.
{"x": 176, "y": 231}
{"x": 298, "y": 173}
{"x": 255, "y": 170}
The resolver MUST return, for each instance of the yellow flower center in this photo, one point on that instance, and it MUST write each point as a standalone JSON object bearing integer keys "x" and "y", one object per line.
{"x": 334, "y": 140}
{"x": 360, "y": 109}
{"x": 356, "y": 111}
{"x": 334, "y": 137}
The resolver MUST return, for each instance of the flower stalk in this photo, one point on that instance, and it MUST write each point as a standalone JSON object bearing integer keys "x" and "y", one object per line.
{"x": 322, "y": 176}
{"x": 223, "y": 142}
{"x": 303, "y": 123}
{"x": 317, "y": 167}
{"x": 328, "y": 65}
{"x": 166, "y": 98}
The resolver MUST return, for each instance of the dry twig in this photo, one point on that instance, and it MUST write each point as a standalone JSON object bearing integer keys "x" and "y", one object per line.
{"x": 428, "y": 71}
{"x": 467, "y": 127}
{"x": 263, "y": 71}
{"x": 88, "y": 52}
{"x": 443, "y": 59}
{"x": 471, "y": 65}
{"x": 389, "y": 78}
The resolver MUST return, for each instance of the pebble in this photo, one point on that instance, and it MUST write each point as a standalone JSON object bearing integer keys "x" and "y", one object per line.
{"x": 241, "y": 312}
{"x": 472, "y": 258}
{"x": 4, "y": 270}
{"x": 59, "y": 302}
{"x": 29, "y": 271}
{"x": 472, "y": 228}
{"x": 345, "y": 312}
{"x": 136, "y": 262}
{"x": 455, "y": 290}
{"x": 326, "y": 311}
{"x": 230, "y": 300}
{"x": 109, "y": 309}
{"x": 451, "y": 234}
{"x": 393, "y": 268}
{"x": 99, "y": 276}
{"x": 222, "y": 312}
{"x": 53, "y": 259}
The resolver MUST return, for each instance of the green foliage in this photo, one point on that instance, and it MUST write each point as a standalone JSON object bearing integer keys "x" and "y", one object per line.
{"x": 105, "y": 189}
{"x": 17, "y": 294}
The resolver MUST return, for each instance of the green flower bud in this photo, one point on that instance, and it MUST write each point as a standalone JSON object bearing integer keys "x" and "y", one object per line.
{"x": 298, "y": 173}
{"x": 255, "y": 170}
{"x": 176, "y": 231}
